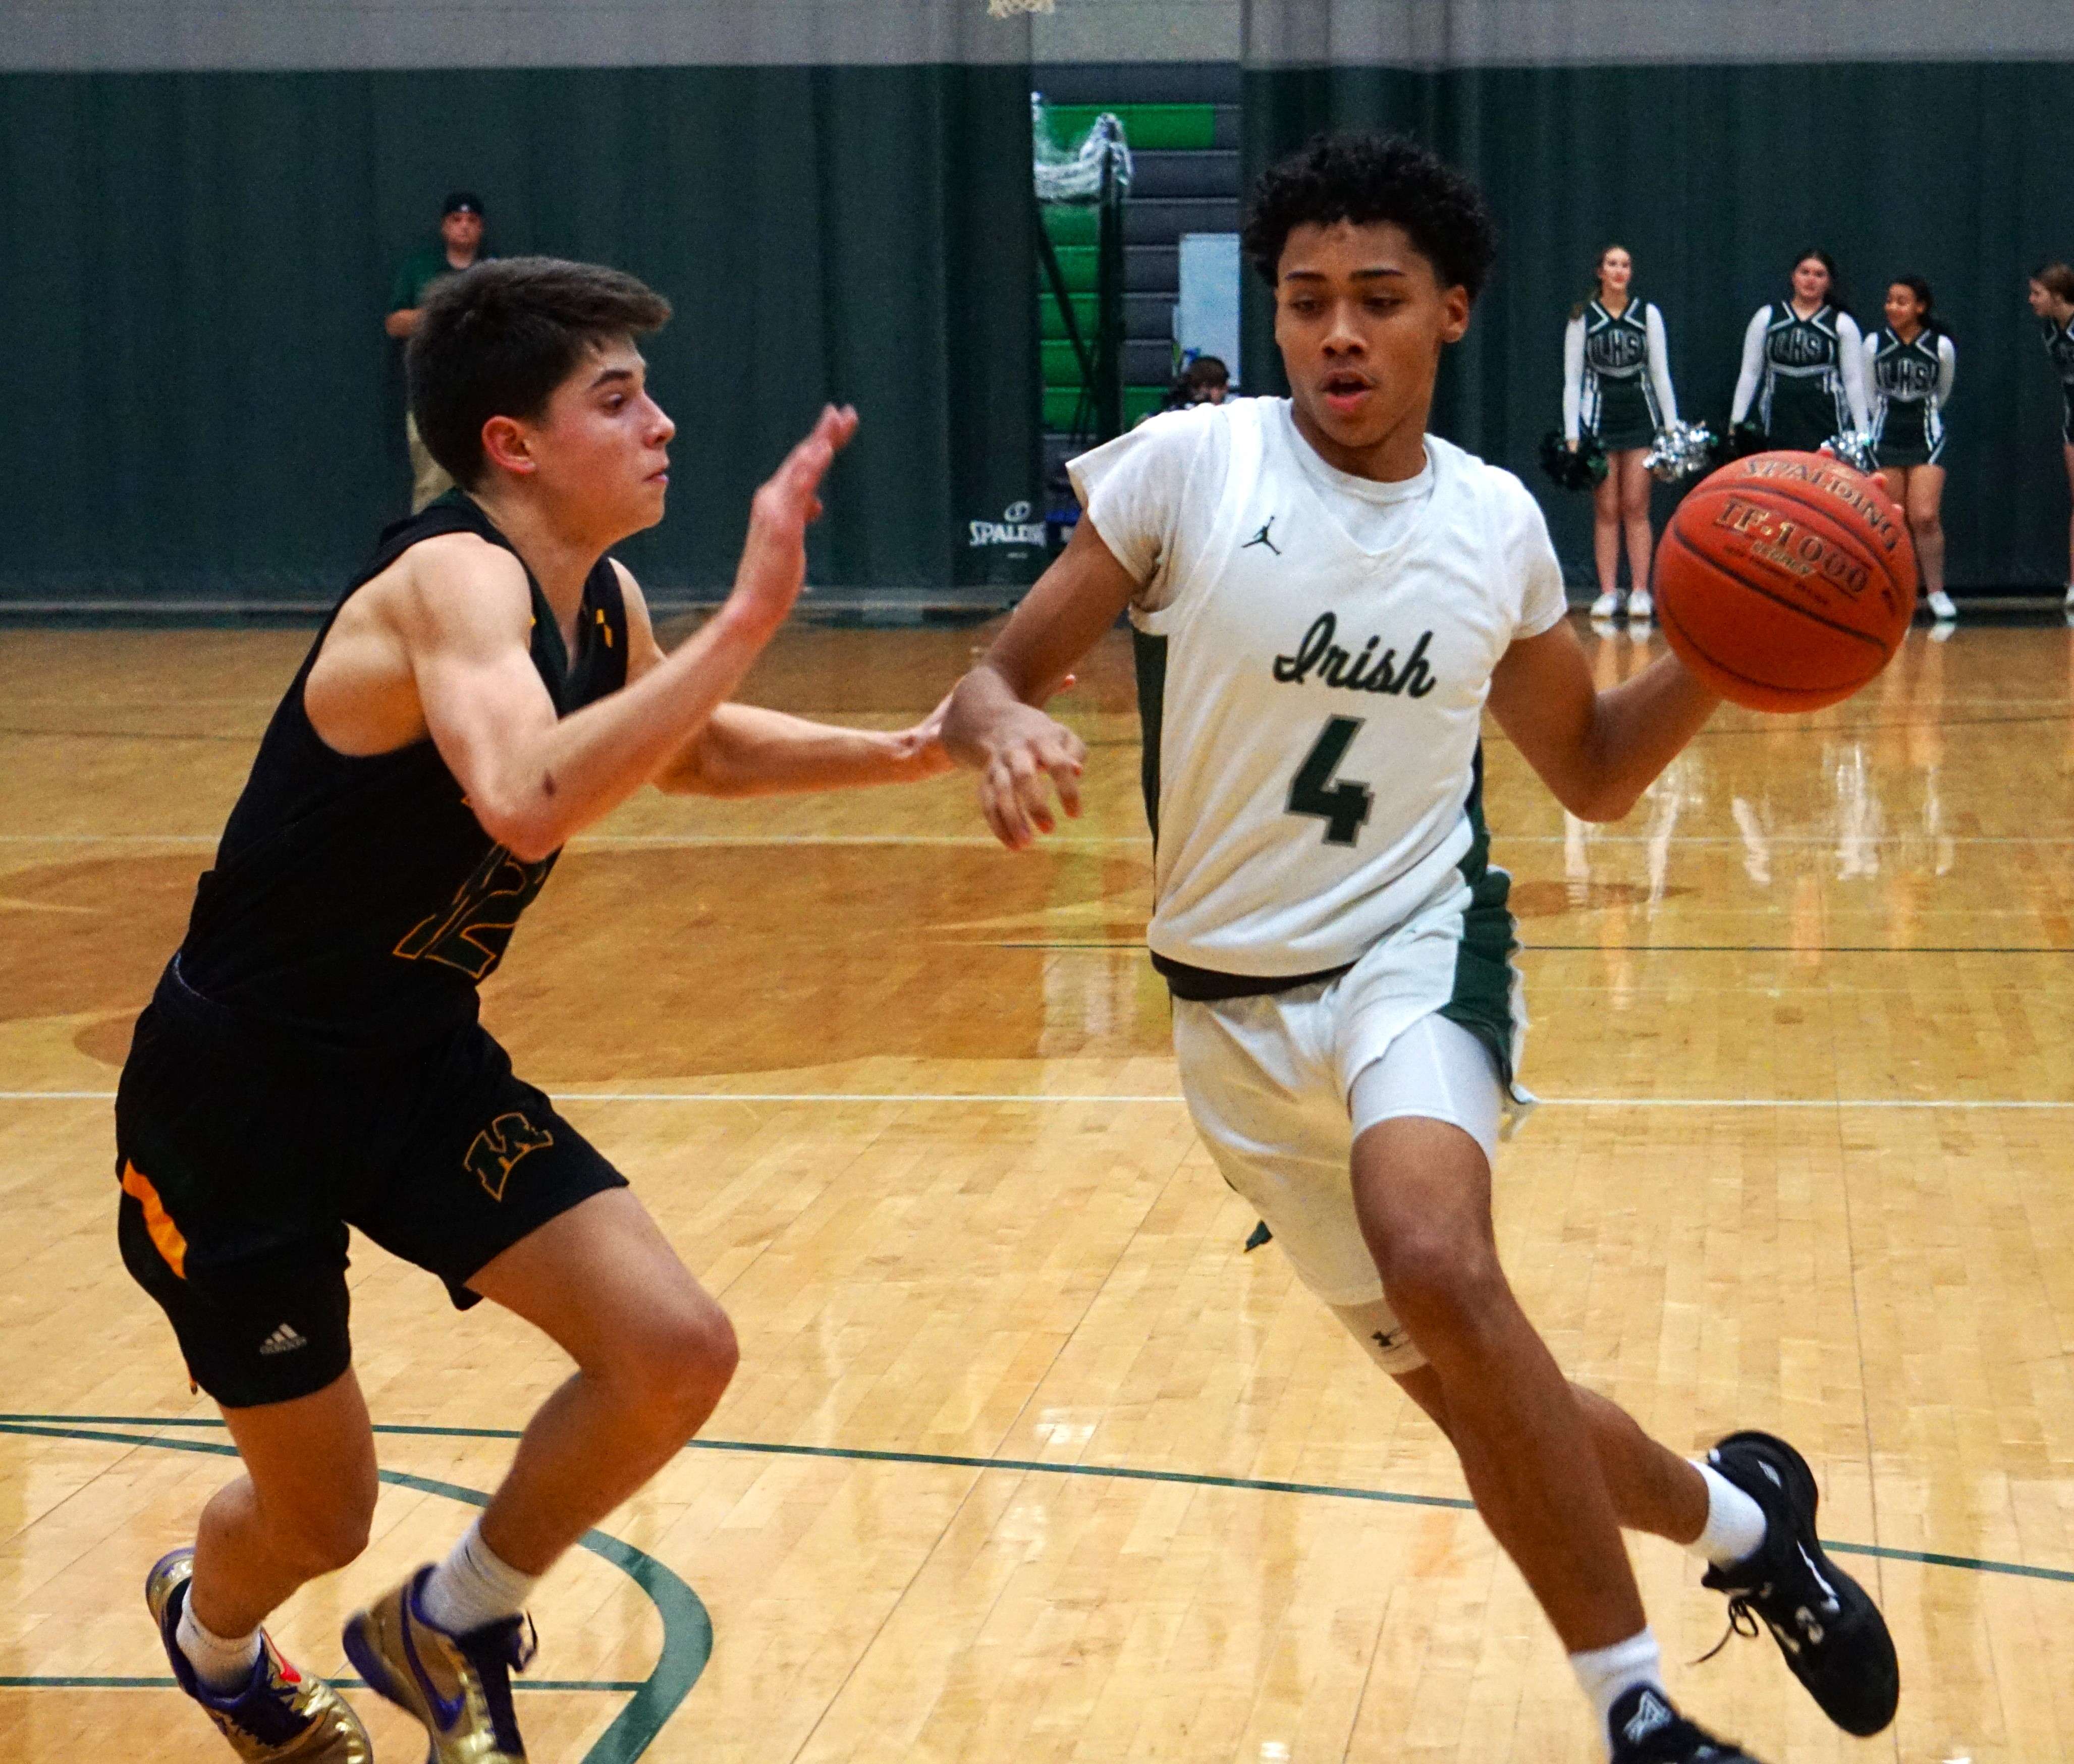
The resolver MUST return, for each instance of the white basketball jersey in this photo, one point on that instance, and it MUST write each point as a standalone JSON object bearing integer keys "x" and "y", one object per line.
{"x": 1313, "y": 709}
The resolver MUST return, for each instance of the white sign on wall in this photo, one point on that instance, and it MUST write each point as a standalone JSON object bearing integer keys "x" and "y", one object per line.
{"x": 1206, "y": 320}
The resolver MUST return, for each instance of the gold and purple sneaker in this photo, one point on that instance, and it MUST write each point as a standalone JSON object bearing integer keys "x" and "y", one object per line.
{"x": 458, "y": 1687}
{"x": 282, "y": 1716}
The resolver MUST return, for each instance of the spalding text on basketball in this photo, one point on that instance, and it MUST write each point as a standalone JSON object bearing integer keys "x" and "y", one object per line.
{"x": 1366, "y": 673}
{"x": 1845, "y": 487}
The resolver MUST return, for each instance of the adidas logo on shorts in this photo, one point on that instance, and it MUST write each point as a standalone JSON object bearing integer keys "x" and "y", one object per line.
{"x": 284, "y": 1340}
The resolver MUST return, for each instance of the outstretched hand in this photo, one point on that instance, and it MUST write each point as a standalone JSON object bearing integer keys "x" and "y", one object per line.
{"x": 773, "y": 556}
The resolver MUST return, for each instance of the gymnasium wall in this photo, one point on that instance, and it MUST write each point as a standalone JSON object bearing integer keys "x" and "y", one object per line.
{"x": 202, "y": 207}
{"x": 1716, "y": 138}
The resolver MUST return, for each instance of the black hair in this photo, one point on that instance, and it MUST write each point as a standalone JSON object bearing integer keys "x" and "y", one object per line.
{"x": 1926, "y": 303}
{"x": 1196, "y": 378}
{"x": 498, "y": 339}
{"x": 1834, "y": 295}
{"x": 2057, "y": 279}
{"x": 1370, "y": 178}
{"x": 1598, "y": 281}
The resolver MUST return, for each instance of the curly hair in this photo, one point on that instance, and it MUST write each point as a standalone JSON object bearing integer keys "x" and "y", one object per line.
{"x": 1370, "y": 178}
{"x": 1925, "y": 300}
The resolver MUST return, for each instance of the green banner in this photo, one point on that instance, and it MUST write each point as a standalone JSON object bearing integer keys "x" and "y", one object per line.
{"x": 1714, "y": 177}
{"x": 202, "y": 404}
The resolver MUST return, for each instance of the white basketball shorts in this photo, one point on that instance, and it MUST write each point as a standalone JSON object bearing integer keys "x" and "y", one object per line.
{"x": 1280, "y": 1085}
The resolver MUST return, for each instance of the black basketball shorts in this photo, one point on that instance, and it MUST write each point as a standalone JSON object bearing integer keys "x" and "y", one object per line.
{"x": 244, "y": 1155}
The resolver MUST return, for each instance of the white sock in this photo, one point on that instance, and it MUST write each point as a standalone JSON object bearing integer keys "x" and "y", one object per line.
{"x": 1735, "y": 1522}
{"x": 223, "y": 1664}
{"x": 1608, "y": 1673}
{"x": 474, "y": 1587}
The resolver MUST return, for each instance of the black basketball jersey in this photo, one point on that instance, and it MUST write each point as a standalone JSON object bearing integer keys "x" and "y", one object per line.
{"x": 1617, "y": 347}
{"x": 359, "y": 900}
{"x": 2059, "y": 345}
{"x": 1794, "y": 345}
{"x": 1906, "y": 372}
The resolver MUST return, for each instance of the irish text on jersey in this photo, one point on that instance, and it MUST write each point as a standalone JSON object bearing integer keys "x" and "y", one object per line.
{"x": 1319, "y": 654}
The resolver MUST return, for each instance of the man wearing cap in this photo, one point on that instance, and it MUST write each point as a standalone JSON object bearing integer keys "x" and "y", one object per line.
{"x": 460, "y": 247}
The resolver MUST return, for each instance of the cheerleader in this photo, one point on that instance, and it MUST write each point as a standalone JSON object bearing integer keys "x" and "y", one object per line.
{"x": 1616, "y": 388}
{"x": 1803, "y": 364}
{"x": 2053, "y": 299}
{"x": 1910, "y": 363}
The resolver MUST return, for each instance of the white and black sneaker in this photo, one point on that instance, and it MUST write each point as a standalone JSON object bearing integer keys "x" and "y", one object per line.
{"x": 1645, "y": 1729}
{"x": 1826, "y": 1625}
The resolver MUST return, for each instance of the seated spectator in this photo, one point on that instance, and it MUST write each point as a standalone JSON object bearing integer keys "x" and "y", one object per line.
{"x": 1204, "y": 381}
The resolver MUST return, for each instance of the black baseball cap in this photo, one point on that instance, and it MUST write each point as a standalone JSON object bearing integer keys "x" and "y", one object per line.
{"x": 462, "y": 202}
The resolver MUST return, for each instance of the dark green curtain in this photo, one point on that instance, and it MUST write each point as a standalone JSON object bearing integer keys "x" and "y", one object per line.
{"x": 1715, "y": 176}
{"x": 199, "y": 400}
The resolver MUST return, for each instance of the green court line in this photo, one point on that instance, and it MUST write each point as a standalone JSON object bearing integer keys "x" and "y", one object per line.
{"x": 1115, "y": 1472}
{"x": 686, "y": 1626}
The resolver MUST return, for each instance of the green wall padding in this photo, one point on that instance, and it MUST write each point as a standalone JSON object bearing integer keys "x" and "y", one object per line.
{"x": 1714, "y": 176}
{"x": 194, "y": 268}
{"x": 1146, "y": 126}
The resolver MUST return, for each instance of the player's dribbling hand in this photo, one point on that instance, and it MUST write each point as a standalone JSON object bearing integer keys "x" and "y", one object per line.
{"x": 1031, "y": 756}
{"x": 773, "y": 556}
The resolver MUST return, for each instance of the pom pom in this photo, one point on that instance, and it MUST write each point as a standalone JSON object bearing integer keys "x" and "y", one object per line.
{"x": 1579, "y": 470}
{"x": 1853, "y": 448}
{"x": 1682, "y": 450}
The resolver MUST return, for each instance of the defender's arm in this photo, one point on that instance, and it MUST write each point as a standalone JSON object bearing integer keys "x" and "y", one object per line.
{"x": 533, "y": 780}
{"x": 1597, "y": 751}
{"x": 745, "y": 751}
{"x": 994, "y": 724}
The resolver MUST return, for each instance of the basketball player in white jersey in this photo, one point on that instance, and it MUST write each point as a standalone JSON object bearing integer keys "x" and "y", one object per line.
{"x": 1325, "y": 598}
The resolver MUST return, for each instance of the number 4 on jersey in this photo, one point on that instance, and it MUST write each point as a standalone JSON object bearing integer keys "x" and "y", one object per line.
{"x": 1344, "y": 806}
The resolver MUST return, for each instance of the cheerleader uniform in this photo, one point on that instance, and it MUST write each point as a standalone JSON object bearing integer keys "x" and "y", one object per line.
{"x": 1617, "y": 376}
{"x": 1806, "y": 376}
{"x": 2059, "y": 345}
{"x": 1909, "y": 383}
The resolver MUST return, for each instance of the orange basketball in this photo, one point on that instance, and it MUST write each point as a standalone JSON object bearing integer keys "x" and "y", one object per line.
{"x": 1786, "y": 580}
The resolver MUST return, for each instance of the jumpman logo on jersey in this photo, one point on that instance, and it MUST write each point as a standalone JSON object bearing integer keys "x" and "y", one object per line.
{"x": 1260, "y": 538}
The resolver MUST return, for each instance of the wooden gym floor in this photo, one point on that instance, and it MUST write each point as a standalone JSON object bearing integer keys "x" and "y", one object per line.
{"x": 1027, "y": 1460}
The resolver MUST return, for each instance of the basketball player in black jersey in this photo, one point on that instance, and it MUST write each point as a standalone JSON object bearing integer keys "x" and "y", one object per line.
{"x": 488, "y": 686}
{"x": 2053, "y": 299}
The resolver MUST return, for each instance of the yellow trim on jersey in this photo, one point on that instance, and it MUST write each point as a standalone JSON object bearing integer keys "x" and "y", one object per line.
{"x": 165, "y": 1234}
